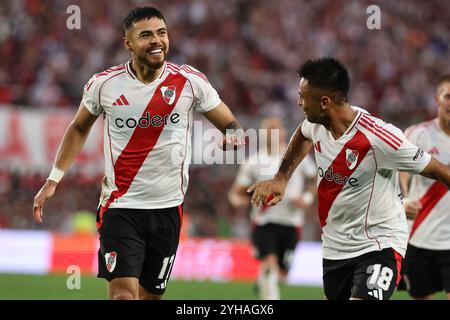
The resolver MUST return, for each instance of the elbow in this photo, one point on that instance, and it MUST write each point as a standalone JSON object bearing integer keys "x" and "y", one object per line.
{"x": 77, "y": 129}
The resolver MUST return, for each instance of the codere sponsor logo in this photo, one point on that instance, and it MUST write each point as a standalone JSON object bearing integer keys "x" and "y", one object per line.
{"x": 338, "y": 178}
{"x": 148, "y": 120}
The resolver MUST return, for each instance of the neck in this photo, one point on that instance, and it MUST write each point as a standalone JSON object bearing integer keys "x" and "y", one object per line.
{"x": 444, "y": 125}
{"x": 340, "y": 120}
{"x": 144, "y": 73}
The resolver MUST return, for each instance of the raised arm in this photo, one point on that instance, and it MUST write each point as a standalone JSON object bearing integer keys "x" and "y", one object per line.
{"x": 71, "y": 144}
{"x": 272, "y": 191}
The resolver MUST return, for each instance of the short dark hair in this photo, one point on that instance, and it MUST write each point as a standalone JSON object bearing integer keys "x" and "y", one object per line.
{"x": 141, "y": 13}
{"x": 443, "y": 79}
{"x": 326, "y": 73}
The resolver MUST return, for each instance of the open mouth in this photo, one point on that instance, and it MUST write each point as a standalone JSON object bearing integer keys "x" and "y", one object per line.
{"x": 155, "y": 52}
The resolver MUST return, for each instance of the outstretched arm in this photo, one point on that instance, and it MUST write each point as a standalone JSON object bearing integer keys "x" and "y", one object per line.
{"x": 71, "y": 144}
{"x": 272, "y": 191}
{"x": 438, "y": 171}
{"x": 297, "y": 149}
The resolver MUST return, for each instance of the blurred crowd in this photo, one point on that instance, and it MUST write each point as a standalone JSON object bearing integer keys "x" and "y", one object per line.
{"x": 249, "y": 49}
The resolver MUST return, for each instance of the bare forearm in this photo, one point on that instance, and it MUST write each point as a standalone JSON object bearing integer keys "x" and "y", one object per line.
{"x": 442, "y": 176}
{"x": 233, "y": 125}
{"x": 222, "y": 118}
{"x": 297, "y": 149}
{"x": 71, "y": 144}
{"x": 438, "y": 171}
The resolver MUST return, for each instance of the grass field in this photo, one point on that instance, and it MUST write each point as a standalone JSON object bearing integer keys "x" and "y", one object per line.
{"x": 50, "y": 287}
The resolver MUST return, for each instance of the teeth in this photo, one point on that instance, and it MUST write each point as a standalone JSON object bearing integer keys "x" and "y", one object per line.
{"x": 156, "y": 51}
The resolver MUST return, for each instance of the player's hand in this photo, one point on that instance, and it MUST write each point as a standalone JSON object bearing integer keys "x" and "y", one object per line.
{"x": 411, "y": 208}
{"x": 46, "y": 192}
{"x": 268, "y": 192}
{"x": 233, "y": 140}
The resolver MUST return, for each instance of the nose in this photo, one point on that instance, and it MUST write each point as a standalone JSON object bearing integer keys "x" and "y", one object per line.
{"x": 154, "y": 40}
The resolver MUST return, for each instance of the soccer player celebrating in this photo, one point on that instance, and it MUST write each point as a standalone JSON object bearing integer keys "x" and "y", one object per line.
{"x": 427, "y": 261}
{"x": 359, "y": 202}
{"x": 276, "y": 230}
{"x": 147, "y": 106}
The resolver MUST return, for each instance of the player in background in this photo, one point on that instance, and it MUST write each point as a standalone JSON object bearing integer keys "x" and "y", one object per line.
{"x": 275, "y": 230}
{"x": 427, "y": 202}
{"x": 358, "y": 157}
{"x": 147, "y": 105}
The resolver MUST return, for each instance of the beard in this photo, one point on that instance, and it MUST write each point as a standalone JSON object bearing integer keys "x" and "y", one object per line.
{"x": 152, "y": 63}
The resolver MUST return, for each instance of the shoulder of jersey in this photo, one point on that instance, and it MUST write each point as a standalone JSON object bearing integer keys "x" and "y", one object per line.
{"x": 364, "y": 111}
{"x": 186, "y": 70}
{"x": 419, "y": 129}
{"x": 107, "y": 74}
{"x": 379, "y": 131}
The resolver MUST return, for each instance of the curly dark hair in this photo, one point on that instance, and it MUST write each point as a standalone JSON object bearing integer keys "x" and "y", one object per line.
{"x": 326, "y": 73}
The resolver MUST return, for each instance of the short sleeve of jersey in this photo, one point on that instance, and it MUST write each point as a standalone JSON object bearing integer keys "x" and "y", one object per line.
{"x": 91, "y": 96}
{"x": 206, "y": 97}
{"x": 306, "y": 129}
{"x": 407, "y": 157}
{"x": 245, "y": 175}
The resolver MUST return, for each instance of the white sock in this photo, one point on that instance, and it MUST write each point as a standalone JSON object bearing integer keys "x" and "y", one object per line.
{"x": 268, "y": 283}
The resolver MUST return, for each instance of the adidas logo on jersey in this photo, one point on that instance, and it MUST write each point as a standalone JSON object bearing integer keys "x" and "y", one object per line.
{"x": 317, "y": 146}
{"x": 121, "y": 101}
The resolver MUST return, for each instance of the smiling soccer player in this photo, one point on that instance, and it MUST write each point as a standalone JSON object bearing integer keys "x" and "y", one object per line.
{"x": 147, "y": 104}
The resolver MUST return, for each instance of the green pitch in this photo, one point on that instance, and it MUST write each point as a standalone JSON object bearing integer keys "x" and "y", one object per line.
{"x": 54, "y": 287}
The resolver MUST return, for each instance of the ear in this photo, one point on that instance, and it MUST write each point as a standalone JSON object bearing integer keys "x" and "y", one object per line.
{"x": 127, "y": 44}
{"x": 436, "y": 99}
{"x": 325, "y": 102}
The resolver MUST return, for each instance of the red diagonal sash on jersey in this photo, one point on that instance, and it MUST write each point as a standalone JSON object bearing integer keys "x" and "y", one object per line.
{"x": 327, "y": 191}
{"x": 429, "y": 200}
{"x": 142, "y": 142}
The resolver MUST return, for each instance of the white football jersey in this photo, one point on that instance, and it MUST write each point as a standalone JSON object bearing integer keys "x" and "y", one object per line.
{"x": 431, "y": 227}
{"x": 262, "y": 166}
{"x": 147, "y": 133}
{"x": 359, "y": 198}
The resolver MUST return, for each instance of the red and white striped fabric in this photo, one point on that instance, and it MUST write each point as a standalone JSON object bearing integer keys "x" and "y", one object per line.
{"x": 147, "y": 143}
{"x": 431, "y": 228}
{"x": 360, "y": 208}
